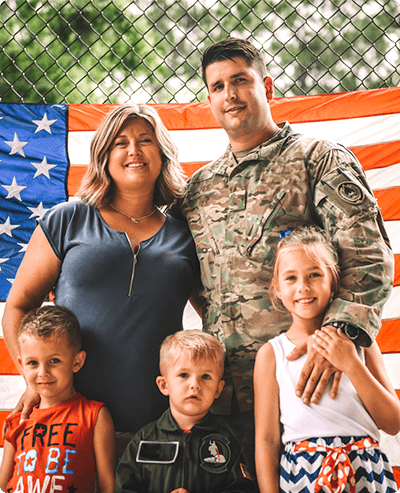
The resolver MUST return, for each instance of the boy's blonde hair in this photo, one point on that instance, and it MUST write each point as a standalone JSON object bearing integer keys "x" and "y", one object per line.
{"x": 52, "y": 321}
{"x": 196, "y": 344}
{"x": 317, "y": 244}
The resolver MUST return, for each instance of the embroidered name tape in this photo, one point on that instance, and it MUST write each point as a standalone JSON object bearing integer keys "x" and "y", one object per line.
{"x": 157, "y": 452}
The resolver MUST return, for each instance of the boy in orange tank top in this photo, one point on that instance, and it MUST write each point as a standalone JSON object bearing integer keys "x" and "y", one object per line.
{"x": 68, "y": 440}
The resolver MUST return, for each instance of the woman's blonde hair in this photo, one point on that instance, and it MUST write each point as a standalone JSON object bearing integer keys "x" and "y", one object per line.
{"x": 317, "y": 244}
{"x": 196, "y": 344}
{"x": 97, "y": 186}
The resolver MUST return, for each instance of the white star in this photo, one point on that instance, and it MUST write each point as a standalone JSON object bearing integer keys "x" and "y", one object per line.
{"x": 11, "y": 281}
{"x": 16, "y": 146}
{"x": 24, "y": 247}
{"x": 2, "y": 260}
{"x": 37, "y": 211}
{"x": 7, "y": 227}
{"x": 43, "y": 168}
{"x": 13, "y": 190}
{"x": 43, "y": 124}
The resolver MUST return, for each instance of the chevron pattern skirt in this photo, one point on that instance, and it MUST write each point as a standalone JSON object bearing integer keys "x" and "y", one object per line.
{"x": 300, "y": 470}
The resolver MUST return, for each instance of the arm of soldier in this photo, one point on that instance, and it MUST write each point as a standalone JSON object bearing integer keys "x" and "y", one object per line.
{"x": 7, "y": 465}
{"x": 349, "y": 213}
{"x": 316, "y": 373}
{"x": 104, "y": 443}
{"x": 266, "y": 409}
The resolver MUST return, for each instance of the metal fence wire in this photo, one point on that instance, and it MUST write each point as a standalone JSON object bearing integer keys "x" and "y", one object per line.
{"x": 112, "y": 51}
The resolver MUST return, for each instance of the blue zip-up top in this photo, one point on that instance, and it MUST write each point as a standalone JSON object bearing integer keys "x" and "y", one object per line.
{"x": 126, "y": 304}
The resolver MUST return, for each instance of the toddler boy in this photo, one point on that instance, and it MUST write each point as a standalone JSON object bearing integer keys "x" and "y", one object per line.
{"x": 188, "y": 450}
{"x": 67, "y": 440}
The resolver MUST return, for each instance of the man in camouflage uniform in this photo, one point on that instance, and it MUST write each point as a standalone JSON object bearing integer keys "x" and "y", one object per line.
{"x": 271, "y": 180}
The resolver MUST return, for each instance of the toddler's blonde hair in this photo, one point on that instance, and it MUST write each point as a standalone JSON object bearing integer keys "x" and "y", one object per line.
{"x": 196, "y": 344}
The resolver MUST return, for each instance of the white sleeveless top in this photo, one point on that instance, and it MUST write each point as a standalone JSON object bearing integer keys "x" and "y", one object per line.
{"x": 343, "y": 416}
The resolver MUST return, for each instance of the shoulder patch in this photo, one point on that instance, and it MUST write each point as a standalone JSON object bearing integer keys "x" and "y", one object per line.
{"x": 215, "y": 453}
{"x": 350, "y": 192}
{"x": 245, "y": 471}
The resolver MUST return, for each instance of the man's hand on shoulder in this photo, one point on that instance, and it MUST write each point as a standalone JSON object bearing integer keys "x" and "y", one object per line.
{"x": 316, "y": 372}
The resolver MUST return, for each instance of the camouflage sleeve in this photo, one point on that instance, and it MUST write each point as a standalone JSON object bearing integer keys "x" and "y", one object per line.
{"x": 348, "y": 210}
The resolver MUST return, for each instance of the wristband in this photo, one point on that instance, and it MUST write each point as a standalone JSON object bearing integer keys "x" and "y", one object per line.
{"x": 350, "y": 330}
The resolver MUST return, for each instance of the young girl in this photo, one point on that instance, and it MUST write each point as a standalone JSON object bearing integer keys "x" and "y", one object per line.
{"x": 333, "y": 445}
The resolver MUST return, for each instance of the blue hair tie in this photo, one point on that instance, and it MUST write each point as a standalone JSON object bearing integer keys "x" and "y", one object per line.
{"x": 284, "y": 233}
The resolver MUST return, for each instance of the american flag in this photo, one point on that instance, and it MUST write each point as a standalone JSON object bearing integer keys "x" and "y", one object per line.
{"x": 33, "y": 172}
{"x": 44, "y": 151}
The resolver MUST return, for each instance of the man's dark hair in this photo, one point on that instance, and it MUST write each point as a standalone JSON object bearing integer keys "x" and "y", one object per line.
{"x": 229, "y": 48}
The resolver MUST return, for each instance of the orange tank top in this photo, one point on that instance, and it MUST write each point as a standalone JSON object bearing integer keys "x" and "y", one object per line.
{"x": 54, "y": 448}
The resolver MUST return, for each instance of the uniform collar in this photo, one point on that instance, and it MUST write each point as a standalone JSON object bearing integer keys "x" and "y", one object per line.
{"x": 167, "y": 423}
{"x": 227, "y": 163}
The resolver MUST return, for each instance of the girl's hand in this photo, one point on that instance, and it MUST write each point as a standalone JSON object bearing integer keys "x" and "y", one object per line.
{"x": 335, "y": 346}
{"x": 316, "y": 374}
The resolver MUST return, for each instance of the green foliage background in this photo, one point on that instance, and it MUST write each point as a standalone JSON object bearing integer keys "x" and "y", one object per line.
{"x": 103, "y": 51}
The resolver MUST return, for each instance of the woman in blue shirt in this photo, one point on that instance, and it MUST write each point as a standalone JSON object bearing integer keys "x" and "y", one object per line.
{"x": 123, "y": 266}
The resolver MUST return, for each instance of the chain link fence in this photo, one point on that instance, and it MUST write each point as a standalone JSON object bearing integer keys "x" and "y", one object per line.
{"x": 112, "y": 51}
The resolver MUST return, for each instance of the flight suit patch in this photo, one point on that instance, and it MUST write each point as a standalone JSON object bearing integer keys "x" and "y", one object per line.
{"x": 215, "y": 453}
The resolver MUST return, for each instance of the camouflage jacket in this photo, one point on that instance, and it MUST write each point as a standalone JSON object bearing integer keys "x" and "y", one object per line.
{"x": 236, "y": 212}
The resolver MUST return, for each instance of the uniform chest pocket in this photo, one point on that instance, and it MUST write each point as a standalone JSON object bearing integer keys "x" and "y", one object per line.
{"x": 259, "y": 221}
{"x": 288, "y": 210}
{"x": 206, "y": 247}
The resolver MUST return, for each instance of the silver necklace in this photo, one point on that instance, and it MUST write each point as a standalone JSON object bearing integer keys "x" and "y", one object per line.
{"x": 133, "y": 219}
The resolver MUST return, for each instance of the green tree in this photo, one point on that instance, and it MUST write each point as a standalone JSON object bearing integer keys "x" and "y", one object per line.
{"x": 63, "y": 51}
{"x": 310, "y": 46}
{"x": 150, "y": 50}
